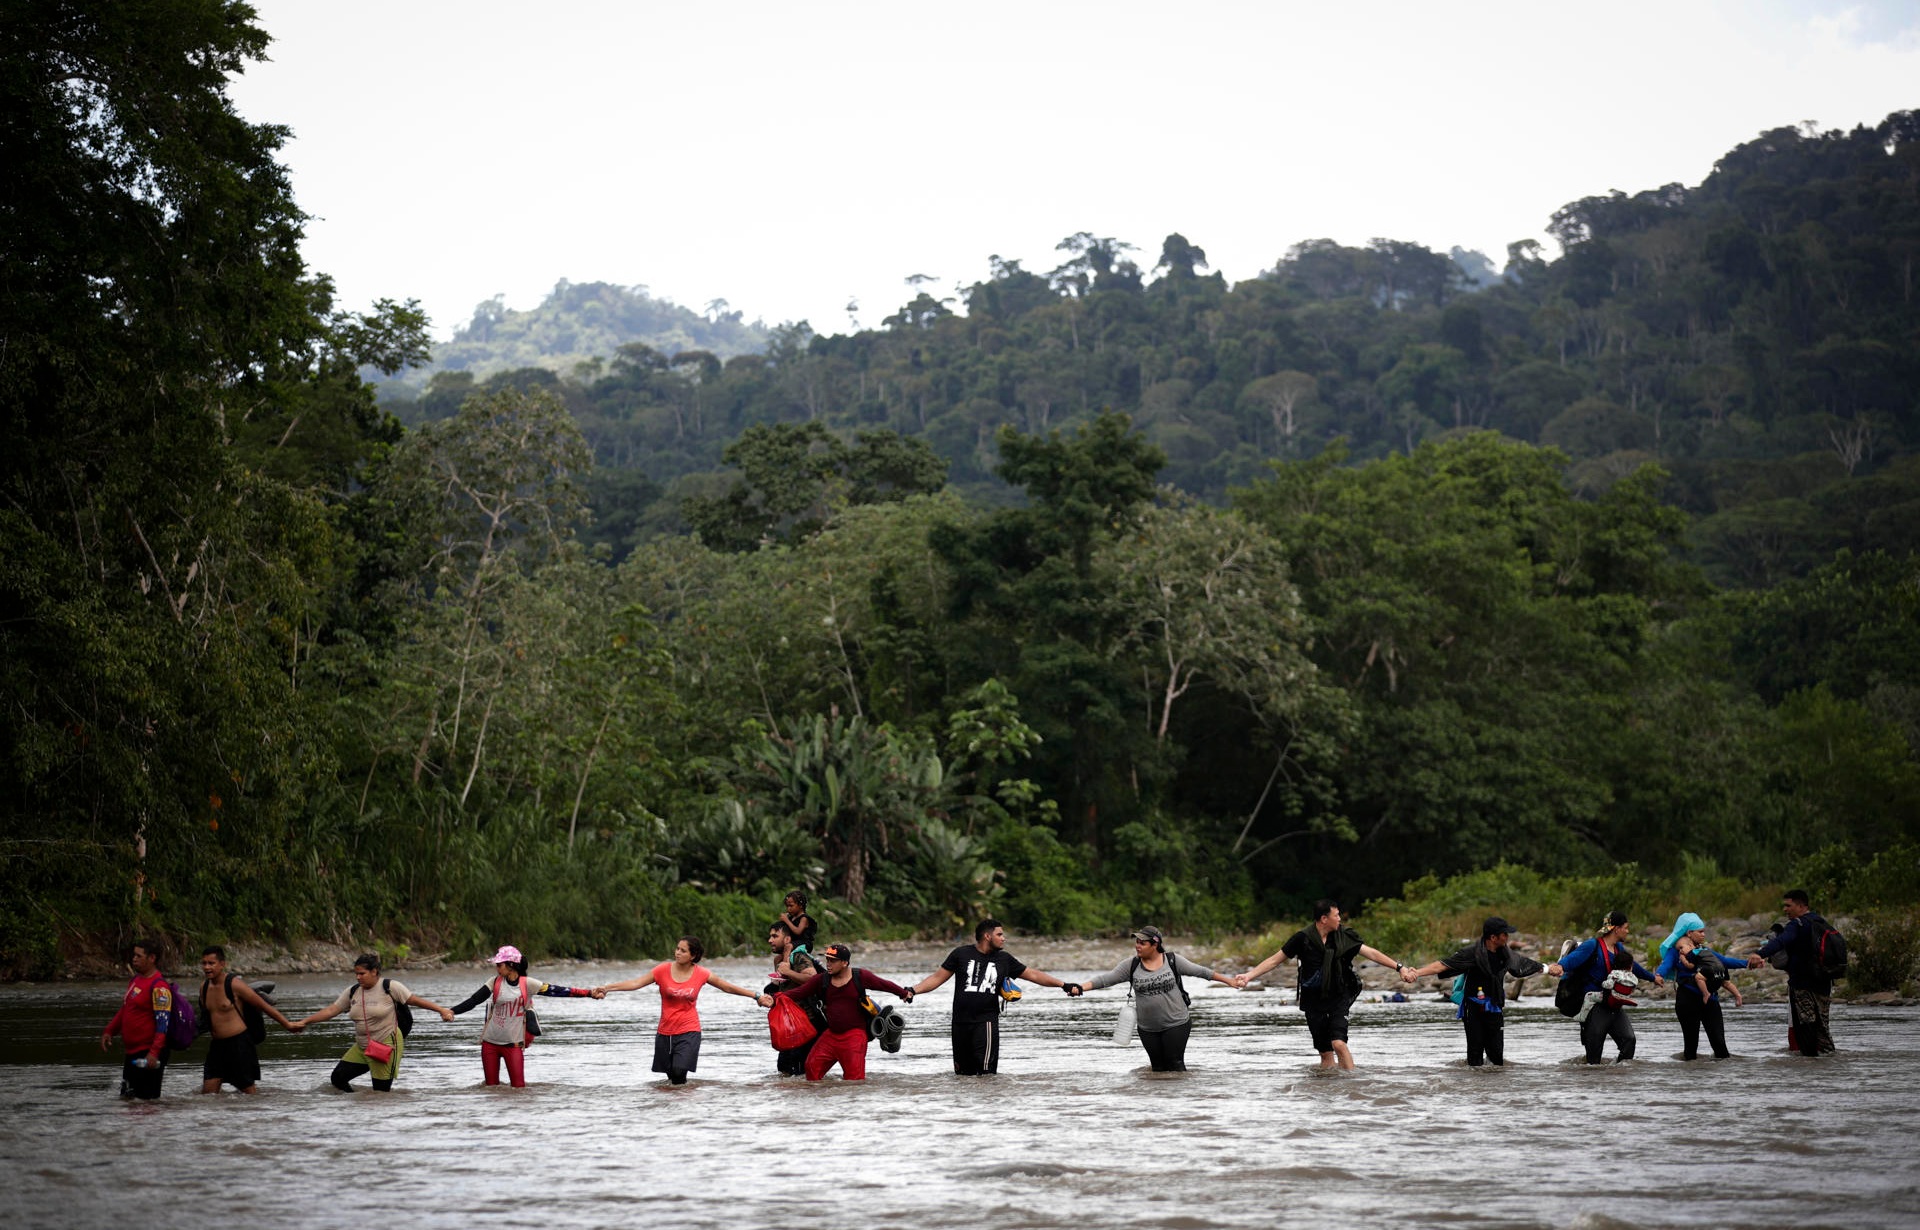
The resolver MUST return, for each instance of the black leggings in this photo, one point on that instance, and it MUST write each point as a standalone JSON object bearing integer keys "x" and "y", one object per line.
{"x": 1695, "y": 1012}
{"x": 1607, "y": 1022}
{"x": 344, "y": 1074}
{"x": 1167, "y": 1048}
{"x": 1486, "y": 1037}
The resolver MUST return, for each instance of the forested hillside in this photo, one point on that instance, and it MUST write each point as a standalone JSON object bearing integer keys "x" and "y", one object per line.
{"x": 1612, "y": 562}
{"x": 1755, "y": 336}
{"x": 572, "y": 332}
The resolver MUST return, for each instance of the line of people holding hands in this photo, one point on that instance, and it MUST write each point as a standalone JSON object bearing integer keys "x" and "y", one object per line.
{"x": 1598, "y": 977}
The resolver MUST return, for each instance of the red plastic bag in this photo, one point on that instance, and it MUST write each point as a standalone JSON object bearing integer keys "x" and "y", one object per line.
{"x": 787, "y": 1022}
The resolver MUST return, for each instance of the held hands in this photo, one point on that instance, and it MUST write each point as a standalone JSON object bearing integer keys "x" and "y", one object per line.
{"x": 1406, "y": 973}
{"x": 1240, "y": 981}
{"x": 596, "y": 992}
{"x": 1555, "y": 970}
{"x": 908, "y": 997}
{"x": 446, "y": 1014}
{"x": 764, "y": 1000}
{"x": 1073, "y": 989}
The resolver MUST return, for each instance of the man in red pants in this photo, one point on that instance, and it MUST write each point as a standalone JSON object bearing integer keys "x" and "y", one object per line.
{"x": 843, "y": 990}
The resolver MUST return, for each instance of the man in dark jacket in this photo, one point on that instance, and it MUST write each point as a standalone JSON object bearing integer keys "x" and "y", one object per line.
{"x": 1483, "y": 997}
{"x": 1809, "y": 990}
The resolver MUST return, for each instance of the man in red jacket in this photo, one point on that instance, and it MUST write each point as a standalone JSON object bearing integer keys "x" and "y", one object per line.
{"x": 843, "y": 990}
{"x": 142, "y": 1022}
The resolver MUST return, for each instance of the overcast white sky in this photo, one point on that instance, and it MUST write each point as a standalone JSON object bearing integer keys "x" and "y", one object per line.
{"x": 788, "y": 157}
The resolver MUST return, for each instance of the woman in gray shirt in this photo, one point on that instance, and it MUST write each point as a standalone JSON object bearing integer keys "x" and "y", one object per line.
{"x": 1160, "y": 1002}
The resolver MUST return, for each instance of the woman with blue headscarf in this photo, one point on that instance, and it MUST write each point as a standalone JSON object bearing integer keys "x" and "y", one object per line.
{"x": 1686, "y": 958}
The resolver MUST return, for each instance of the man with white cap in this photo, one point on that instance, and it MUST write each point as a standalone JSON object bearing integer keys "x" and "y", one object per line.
{"x": 509, "y": 1010}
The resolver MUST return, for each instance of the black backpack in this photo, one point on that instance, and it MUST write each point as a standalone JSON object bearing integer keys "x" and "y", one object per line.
{"x": 1173, "y": 965}
{"x": 1568, "y": 996}
{"x": 254, "y": 1019}
{"x": 1572, "y": 991}
{"x": 1829, "y": 947}
{"x": 401, "y": 1012}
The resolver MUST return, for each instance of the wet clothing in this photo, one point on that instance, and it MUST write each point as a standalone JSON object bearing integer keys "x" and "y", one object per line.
{"x": 1486, "y": 1035}
{"x": 1803, "y": 966}
{"x": 1167, "y": 1048}
{"x": 232, "y": 1061}
{"x": 977, "y": 980}
{"x": 1327, "y": 1021}
{"x": 143, "y": 1083}
{"x": 845, "y": 1006}
{"x": 1696, "y": 1014}
{"x": 145, "y": 1012}
{"x": 978, "y": 977}
{"x": 355, "y": 1064}
{"x": 1692, "y": 1011}
{"x": 677, "y": 1013}
{"x": 1483, "y": 996}
{"x": 1590, "y": 963}
{"x": 976, "y": 1047}
{"x": 1605, "y": 1021}
{"x": 846, "y": 1047}
{"x": 1807, "y": 1009}
{"x": 676, "y": 1054}
{"x": 507, "y": 1004}
{"x": 374, "y": 1013}
{"x": 493, "y": 1054}
{"x": 804, "y": 935}
{"x": 1158, "y": 1001}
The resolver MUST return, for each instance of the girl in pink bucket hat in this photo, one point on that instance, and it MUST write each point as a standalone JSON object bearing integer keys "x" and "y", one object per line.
{"x": 509, "y": 1000}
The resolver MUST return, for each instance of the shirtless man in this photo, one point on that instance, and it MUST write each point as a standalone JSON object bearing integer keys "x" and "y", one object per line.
{"x": 231, "y": 1059}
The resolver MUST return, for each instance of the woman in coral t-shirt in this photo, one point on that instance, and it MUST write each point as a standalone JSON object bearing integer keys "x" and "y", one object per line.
{"x": 676, "y": 1046}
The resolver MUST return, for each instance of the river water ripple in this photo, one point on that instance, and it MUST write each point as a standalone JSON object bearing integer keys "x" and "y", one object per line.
{"x": 1074, "y": 1132}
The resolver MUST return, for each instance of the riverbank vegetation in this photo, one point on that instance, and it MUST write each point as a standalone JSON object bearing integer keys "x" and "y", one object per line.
{"x": 1111, "y": 595}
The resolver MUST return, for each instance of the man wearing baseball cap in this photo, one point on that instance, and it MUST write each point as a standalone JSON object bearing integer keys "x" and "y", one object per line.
{"x": 843, "y": 992}
{"x": 1483, "y": 998}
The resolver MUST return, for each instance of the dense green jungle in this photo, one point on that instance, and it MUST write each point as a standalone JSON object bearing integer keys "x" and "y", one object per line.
{"x": 1107, "y": 594}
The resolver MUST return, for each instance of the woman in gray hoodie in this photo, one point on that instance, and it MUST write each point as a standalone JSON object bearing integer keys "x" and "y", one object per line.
{"x": 1159, "y": 999}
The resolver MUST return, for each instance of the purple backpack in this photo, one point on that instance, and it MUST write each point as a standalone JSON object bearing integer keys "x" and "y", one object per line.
{"x": 182, "y": 1026}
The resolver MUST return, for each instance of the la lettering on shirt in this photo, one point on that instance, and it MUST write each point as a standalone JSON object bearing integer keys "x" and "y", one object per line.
{"x": 977, "y": 979}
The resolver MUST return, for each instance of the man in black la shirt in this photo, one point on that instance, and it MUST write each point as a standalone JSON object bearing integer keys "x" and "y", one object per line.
{"x": 983, "y": 967}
